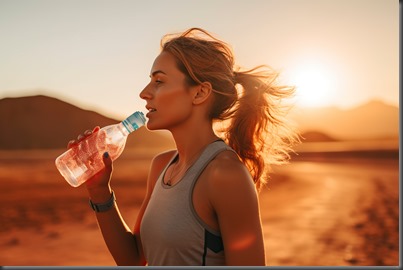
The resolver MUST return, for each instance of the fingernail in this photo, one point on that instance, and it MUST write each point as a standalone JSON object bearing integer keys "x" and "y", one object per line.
{"x": 106, "y": 155}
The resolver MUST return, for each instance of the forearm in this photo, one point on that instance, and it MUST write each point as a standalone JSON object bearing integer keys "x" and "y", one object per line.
{"x": 118, "y": 237}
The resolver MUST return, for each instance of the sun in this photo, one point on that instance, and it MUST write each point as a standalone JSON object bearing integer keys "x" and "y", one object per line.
{"x": 314, "y": 82}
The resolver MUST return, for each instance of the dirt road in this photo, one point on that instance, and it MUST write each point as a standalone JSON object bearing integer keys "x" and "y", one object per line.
{"x": 340, "y": 214}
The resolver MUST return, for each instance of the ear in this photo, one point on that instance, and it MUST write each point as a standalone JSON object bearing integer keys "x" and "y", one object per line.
{"x": 202, "y": 93}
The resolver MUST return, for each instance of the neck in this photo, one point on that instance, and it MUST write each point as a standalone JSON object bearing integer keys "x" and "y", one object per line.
{"x": 191, "y": 140}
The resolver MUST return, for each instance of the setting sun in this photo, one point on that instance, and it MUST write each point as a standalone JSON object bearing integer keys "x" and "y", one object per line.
{"x": 315, "y": 83}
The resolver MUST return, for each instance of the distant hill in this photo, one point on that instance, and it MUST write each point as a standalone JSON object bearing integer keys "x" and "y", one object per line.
{"x": 41, "y": 122}
{"x": 373, "y": 120}
{"x": 316, "y": 136}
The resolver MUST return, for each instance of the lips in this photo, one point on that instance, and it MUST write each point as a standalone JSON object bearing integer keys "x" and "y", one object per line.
{"x": 150, "y": 109}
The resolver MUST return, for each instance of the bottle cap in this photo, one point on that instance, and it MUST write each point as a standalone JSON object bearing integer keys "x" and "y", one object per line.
{"x": 134, "y": 121}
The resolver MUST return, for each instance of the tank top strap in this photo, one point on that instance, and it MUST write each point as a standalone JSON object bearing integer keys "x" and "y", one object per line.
{"x": 208, "y": 154}
{"x": 190, "y": 177}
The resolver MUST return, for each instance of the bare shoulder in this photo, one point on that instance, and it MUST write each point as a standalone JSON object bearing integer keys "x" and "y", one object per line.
{"x": 227, "y": 178}
{"x": 226, "y": 169}
{"x": 162, "y": 159}
{"x": 158, "y": 163}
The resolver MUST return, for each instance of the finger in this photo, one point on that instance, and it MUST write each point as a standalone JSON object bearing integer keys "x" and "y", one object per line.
{"x": 108, "y": 162}
{"x": 84, "y": 135}
{"x": 71, "y": 144}
{"x": 96, "y": 129}
{"x": 80, "y": 137}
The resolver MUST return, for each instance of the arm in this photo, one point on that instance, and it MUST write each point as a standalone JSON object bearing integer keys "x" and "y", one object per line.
{"x": 123, "y": 244}
{"x": 235, "y": 201}
{"x": 120, "y": 241}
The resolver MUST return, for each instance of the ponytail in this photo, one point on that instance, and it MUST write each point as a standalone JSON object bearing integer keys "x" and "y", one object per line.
{"x": 258, "y": 130}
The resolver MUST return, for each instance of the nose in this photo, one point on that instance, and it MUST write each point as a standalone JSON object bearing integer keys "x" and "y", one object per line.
{"x": 146, "y": 93}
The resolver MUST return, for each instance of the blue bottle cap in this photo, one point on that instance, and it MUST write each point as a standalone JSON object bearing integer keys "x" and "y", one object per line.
{"x": 134, "y": 121}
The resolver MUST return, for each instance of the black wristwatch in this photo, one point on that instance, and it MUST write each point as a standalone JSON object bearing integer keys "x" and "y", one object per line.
{"x": 103, "y": 207}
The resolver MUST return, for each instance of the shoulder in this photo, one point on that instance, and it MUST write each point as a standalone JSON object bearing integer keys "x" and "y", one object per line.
{"x": 158, "y": 163}
{"x": 227, "y": 174}
{"x": 162, "y": 159}
{"x": 227, "y": 168}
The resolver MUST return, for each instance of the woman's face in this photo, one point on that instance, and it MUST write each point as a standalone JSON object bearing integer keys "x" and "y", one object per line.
{"x": 169, "y": 99}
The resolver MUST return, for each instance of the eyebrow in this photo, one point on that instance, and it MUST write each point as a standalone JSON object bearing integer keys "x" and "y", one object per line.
{"x": 157, "y": 72}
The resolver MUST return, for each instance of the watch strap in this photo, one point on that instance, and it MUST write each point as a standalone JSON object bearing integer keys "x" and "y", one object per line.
{"x": 103, "y": 207}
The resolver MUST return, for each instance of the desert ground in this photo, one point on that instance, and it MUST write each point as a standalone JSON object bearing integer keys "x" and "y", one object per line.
{"x": 322, "y": 211}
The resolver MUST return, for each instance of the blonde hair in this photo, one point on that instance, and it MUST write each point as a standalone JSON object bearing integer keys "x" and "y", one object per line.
{"x": 248, "y": 101}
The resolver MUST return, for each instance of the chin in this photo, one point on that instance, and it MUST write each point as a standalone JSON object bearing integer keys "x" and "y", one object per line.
{"x": 151, "y": 126}
{"x": 161, "y": 124}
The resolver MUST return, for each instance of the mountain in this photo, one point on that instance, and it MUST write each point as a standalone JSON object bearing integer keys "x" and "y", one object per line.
{"x": 41, "y": 122}
{"x": 373, "y": 120}
{"x": 316, "y": 136}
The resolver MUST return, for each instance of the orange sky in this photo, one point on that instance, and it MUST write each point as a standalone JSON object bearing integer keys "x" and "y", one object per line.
{"x": 98, "y": 53}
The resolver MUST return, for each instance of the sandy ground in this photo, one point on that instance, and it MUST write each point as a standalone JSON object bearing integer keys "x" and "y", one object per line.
{"x": 327, "y": 213}
{"x": 333, "y": 214}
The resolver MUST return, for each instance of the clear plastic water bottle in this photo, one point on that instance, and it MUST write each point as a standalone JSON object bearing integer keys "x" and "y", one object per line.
{"x": 84, "y": 160}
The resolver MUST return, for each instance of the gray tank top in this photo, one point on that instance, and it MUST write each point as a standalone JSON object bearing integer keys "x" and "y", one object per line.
{"x": 171, "y": 231}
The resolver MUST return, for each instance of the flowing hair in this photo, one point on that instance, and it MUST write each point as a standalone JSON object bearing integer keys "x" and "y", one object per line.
{"x": 248, "y": 109}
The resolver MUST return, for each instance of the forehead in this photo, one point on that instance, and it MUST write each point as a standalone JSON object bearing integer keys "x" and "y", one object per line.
{"x": 165, "y": 62}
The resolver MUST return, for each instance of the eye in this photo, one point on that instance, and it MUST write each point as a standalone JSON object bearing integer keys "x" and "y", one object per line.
{"x": 158, "y": 81}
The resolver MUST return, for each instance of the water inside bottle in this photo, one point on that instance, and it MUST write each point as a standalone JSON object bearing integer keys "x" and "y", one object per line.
{"x": 84, "y": 160}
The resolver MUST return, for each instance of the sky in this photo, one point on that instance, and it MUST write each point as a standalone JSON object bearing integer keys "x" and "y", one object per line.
{"x": 97, "y": 54}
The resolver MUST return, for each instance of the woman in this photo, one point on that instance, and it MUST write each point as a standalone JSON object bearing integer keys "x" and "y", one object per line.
{"x": 201, "y": 205}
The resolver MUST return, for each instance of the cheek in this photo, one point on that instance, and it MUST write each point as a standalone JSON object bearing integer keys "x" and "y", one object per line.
{"x": 173, "y": 107}
{"x": 175, "y": 99}
{"x": 177, "y": 109}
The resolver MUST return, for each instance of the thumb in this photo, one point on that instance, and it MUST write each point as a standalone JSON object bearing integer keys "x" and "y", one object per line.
{"x": 107, "y": 161}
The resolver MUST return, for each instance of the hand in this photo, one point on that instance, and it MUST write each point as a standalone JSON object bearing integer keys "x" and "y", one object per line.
{"x": 81, "y": 137}
{"x": 100, "y": 180}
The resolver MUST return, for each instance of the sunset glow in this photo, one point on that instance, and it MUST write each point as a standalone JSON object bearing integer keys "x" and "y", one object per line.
{"x": 315, "y": 84}
{"x": 98, "y": 56}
